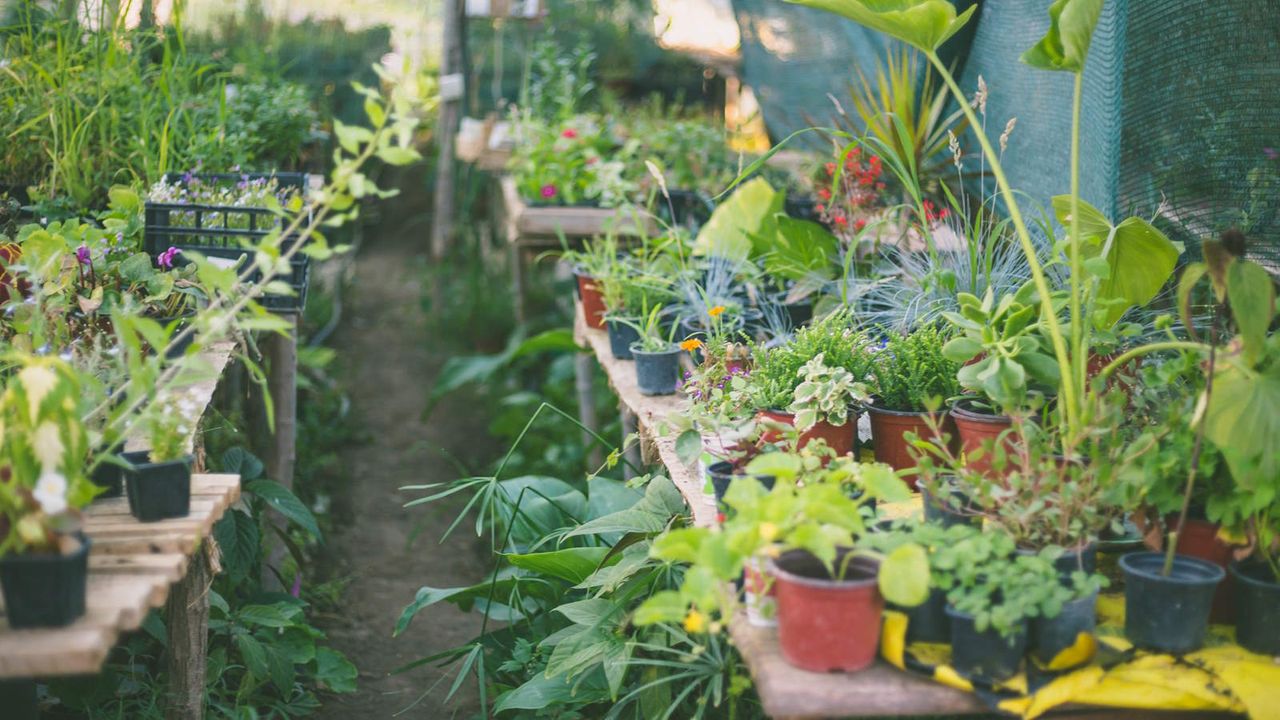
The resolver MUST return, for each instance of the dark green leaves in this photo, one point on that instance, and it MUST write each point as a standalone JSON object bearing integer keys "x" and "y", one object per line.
{"x": 280, "y": 499}
{"x": 1066, "y": 45}
{"x": 924, "y": 24}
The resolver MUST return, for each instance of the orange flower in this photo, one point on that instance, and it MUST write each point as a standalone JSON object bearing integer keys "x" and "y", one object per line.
{"x": 691, "y": 344}
{"x": 716, "y": 311}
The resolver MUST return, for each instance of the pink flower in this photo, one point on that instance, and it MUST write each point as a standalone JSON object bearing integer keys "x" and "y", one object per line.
{"x": 548, "y": 191}
{"x": 166, "y": 258}
{"x": 569, "y": 133}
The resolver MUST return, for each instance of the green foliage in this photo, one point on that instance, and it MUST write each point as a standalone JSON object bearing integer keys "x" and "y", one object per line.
{"x": 1011, "y": 362}
{"x": 923, "y": 24}
{"x": 743, "y": 224}
{"x": 1066, "y": 45}
{"x": 773, "y": 380}
{"x": 911, "y": 370}
{"x": 825, "y": 394}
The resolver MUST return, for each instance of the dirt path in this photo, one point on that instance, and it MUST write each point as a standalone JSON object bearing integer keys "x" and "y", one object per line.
{"x": 389, "y": 364}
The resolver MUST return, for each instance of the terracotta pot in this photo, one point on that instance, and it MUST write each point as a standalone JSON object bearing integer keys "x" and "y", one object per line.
{"x": 888, "y": 428}
{"x": 824, "y": 624}
{"x": 842, "y": 439}
{"x": 1199, "y": 539}
{"x": 592, "y": 301}
{"x": 976, "y": 429}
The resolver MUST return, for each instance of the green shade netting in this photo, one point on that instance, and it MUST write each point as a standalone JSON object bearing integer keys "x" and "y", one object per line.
{"x": 1181, "y": 106}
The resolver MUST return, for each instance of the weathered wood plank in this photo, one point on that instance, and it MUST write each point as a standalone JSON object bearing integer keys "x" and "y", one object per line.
{"x": 543, "y": 225}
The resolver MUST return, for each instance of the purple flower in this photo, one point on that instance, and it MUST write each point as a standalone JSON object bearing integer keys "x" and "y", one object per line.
{"x": 296, "y": 590}
{"x": 166, "y": 258}
{"x": 1271, "y": 153}
{"x": 82, "y": 254}
{"x": 548, "y": 191}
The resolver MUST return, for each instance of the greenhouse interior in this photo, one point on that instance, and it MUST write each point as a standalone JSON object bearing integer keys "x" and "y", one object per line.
{"x": 639, "y": 359}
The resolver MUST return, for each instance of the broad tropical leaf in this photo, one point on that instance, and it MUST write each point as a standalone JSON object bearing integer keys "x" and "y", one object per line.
{"x": 1066, "y": 45}
{"x": 924, "y": 24}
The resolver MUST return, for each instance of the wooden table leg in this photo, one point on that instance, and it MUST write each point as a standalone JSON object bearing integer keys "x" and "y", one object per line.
{"x": 582, "y": 365}
{"x": 282, "y": 382}
{"x": 187, "y": 623}
{"x": 630, "y": 427}
{"x": 19, "y": 698}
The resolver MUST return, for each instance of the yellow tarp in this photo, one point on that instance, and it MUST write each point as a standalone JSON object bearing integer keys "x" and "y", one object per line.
{"x": 1221, "y": 677}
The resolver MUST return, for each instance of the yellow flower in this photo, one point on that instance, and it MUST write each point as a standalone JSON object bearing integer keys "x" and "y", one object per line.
{"x": 691, "y": 344}
{"x": 716, "y": 311}
{"x": 695, "y": 622}
{"x": 768, "y": 531}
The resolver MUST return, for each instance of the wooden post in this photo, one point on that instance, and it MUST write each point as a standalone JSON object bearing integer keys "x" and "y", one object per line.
{"x": 452, "y": 91}
{"x": 187, "y": 625}
{"x": 631, "y": 426}
{"x": 582, "y": 363}
{"x": 281, "y": 354}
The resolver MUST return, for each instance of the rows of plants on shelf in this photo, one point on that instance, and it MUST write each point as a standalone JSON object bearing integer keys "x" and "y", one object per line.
{"x": 153, "y": 220}
{"x": 1085, "y": 406}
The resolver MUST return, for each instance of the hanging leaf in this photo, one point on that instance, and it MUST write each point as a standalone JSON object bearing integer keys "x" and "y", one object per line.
{"x": 1066, "y": 45}
{"x": 1253, "y": 300}
{"x": 743, "y": 220}
{"x": 571, "y": 564}
{"x": 904, "y": 576}
{"x": 923, "y": 24}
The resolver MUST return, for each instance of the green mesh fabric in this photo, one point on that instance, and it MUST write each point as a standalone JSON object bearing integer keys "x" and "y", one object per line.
{"x": 793, "y": 57}
{"x": 1181, "y": 101}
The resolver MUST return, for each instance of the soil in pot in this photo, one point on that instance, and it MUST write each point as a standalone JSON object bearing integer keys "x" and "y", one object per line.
{"x": 45, "y": 589}
{"x": 1168, "y": 614}
{"x": 1199, "y": 539}
{"x": 984, "y": 654}
{"x": 826, "y": 624}
{"x": 621, "y": 337}
{"x": 948, "y": 514}
{"x": 657, "y": 373}
{"x": 842, "y": 439}
{"x": 976, "y": 429}
{"x": 1257, "y": 608}
{"x": 1050, "y": 637}
{"x": 888, "y": 428}
{"x": 592, "y": 301}
{"x": 158, "y": 491}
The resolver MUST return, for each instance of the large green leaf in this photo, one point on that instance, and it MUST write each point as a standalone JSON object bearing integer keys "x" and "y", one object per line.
{"x": 924, "y": 24}
{"x": 1253, "y": 302}
{"x": 1066, "y": 45}
{"x": 744, "y": 215}
{"x": 1243, "y": 418}
{"x": 334, "y": 671}
{"x": 571, "y": 564}
{"x": 803, "y": 250}
{"x": 652, "y": 514}
{"x": 904, "y": 576}
{"x": 541, "y": 691}
{"x": 286, "y": 503}
{"x": 540, "y": 504}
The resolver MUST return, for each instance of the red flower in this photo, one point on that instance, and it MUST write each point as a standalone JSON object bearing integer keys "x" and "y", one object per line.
{"x": 569, "y": 133}
{"x": 824, "y": 193}
{"x": 821, "y": 208}
{"x": 841, "y": 220}
{"x": 859, "y": 224}
{"x": 831, "y": 168}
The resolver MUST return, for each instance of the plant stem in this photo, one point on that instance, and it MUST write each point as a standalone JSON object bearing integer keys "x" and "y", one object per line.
{"x": 1068, "y": 389}
{"x": 1172, "y": 548}
{"x": 1147, "y": 349}
{"x": 1077, "y": 326}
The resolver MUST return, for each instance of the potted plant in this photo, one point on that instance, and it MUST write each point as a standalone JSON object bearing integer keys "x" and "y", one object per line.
{"x": 822, "y": 403}
{"x": 43, "y": 486}
{"x": 910, "y": 373}
{"x": 829, "y": 593}
{"x": 1258, "y": 587}
{"x": 927, "y": 622}
{"x": 625, "y": 291}
{"x": 597, "y": 260}
{"x": 656, "y": 354}
{"x": 158, "y": 480}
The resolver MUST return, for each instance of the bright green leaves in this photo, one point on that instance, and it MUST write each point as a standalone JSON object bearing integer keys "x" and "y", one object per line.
{"x": 1243, "y": 420}
{"x": 1066, "y": 45}
{"x": 804, "y": 251}
{"x": 742, "y": 222}
{"x": 1253, "y": 303}
{"x": 924, "y": 24}
{"x": 904, "y": 576}
{"x": 1131, "y": 261}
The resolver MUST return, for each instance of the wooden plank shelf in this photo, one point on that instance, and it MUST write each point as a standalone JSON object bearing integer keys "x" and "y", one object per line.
{"x": 132, "y": 566}
{"x": 542, "y": 226}
{"x": 785, "y": 691}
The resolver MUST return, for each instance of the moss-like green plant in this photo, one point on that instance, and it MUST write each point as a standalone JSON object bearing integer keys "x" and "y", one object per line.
{"x": 911, "y": 370}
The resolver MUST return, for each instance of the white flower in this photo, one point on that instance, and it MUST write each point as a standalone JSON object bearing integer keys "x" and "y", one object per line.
{"x": 37, "y": 380}
{"x": 51, "y": 492}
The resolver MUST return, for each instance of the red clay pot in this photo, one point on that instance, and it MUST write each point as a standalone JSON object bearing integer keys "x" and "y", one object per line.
{"x": 841, "y": 439}
{"x": 888, "y": 428}
{"x": 592, "y": 301}
{"x": 827, "y": 625}
{"x": 976, "y": 428}
{"x": 1199, "y": 539}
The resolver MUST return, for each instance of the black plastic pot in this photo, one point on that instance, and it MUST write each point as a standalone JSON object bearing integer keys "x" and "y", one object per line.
{"x": 986, "y": 655}
{"x": 657, "y": 372}
{"x": 723, "y": 473}
{"x": 108, "y": 477}
{"x": 1168, "y": 614}
{"x": 621, "y": 337}
{"x": 44, "y": 589}
{"x": 1050, "y": 636}
{"x": 158, "y": 491}
{"x": 1257, "y": 608}
{"x": 948, "y": 514}
{"x": 928, "y": 622}
{"x": 178, "y": 323}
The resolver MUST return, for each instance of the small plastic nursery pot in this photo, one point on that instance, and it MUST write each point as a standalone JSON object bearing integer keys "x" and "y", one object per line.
{"x": 592, "y": 301}
{"x": 45, "y": 589}
{"x": 1257, "y": 608}
{"x": 826, "y": 624}
{"x": 948, "y": 514}
{"x": 1199, "y": 539}
{"x": 621, "y": 337}
{"x": 840, "y": 438}
{"x": 657, "y": 372}
{"x": 1167, "y": 614}
{"x": 888, "y": 430}
{"x": 723, "y": 473}
{"x": 986, "y": 654}
{"x": 928, "y": 622}
{"x": 1051, "y": 636}
{"x": 974, "y": 427}
{"x": 158, "y": 491}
